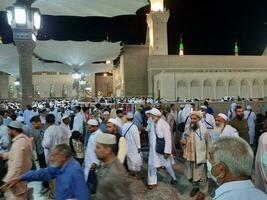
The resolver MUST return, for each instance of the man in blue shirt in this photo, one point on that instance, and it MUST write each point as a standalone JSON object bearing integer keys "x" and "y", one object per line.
{"x": 70, "y": 181}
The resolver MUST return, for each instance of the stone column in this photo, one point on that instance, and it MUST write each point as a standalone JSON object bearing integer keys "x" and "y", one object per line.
{"x": 150, "y": 84}
{"x": 25, "y": 50}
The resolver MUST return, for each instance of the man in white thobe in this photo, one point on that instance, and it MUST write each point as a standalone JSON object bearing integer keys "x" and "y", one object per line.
{"x": 208, "y": 119}
{"x": 78, "y": 120}
{"x": 250, "y": 116}
{"x": 153, "y": 157}
{"x": 163, "y": 130}
{"x": 53, "y": 135}
{"x": 66, "y": 129}
{"x": 131, "y": 133}
{"x": 91, "y": 161}
{"x": 179, "y": 117}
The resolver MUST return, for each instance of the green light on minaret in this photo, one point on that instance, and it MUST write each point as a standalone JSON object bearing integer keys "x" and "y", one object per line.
{"x": 181, "y": 47}
{"x": 236, "y": 49}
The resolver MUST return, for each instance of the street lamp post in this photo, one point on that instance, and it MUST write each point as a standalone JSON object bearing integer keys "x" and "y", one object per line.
{"x": 25, "y": 22}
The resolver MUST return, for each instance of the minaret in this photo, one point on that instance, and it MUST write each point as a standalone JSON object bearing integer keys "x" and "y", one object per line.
{"x": 181, "y": 47}
{"x": 236, "y": 49}
{"x": 157, "y": 21}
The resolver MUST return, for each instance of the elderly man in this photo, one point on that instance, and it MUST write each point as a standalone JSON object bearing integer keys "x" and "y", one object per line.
{"x": 230, "y": 164}
{"x": 91, "y": 162}
{"x": 153, "y": 157}
{"x": 131, "y": 133}
{"x": 19, "y": 161}
{"x": 112, "y": 177}
{"x": 222, "y": 129}
{"x": 163, "y": 142}
{"x": 70, "y": 183}
{"x": 207, "y": 119}
{"x": 240, "y": 124}
{"x": 113, "y": 127}
{"x": 250, "y": 116}
{"x": 196, "y": 142}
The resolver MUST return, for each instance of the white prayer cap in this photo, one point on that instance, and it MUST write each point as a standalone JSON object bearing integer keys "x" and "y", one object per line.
{"x": 20, "y": 119}
{"x": 92, "y": 122}
{"x": 106, "y": 113}
{"x": 223, "y": 116}
{"x": 106, "y": 138}
{"x": 155, "y": 112}
{"x": 64, "y": 117}
{"x": 203, "y": 107}
{"x": 182, "y": 106}
{"x": 130, "y": 115}
{"x": 197, "y": 113}
{"x": 249, "y": 107}
{"x": 114, "y": 121}
{"x": 148, "y": 112}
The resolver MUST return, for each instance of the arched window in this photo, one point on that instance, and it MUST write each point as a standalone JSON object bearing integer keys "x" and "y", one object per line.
{"x": 245, "y": 90}
{"x": 208, "y": 90}
{"x": 233, "y": 88}
{"x": 195, "y": 89}
{"x": 182, "y": 90}
{"x": 256, "y": 89}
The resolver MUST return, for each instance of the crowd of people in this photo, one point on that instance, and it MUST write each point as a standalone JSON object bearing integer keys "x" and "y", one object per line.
{"x": 78, "y": 151}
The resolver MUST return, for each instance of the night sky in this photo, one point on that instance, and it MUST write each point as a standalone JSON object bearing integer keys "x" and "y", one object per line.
{"x": 209, "y": 27}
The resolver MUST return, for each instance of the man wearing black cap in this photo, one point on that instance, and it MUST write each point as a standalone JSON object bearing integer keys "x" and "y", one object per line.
{"x": 19, "y": 161}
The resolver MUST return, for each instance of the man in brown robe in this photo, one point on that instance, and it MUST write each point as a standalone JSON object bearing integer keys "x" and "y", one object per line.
{"x": 240, "y": 124}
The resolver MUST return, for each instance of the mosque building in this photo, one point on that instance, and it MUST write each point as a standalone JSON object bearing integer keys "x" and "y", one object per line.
{"x": 149, "y": 70}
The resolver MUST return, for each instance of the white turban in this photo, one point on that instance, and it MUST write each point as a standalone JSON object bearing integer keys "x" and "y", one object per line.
{"x": 223, "y": 116}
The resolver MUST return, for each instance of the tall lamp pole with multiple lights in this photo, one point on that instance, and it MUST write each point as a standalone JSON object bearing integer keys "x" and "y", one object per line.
{"x": 25, "y": 22}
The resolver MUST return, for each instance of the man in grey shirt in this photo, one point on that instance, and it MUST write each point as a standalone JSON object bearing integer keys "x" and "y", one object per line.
{"x": 37, "y": 135}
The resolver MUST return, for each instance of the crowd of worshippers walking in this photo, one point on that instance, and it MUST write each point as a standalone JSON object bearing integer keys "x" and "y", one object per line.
{"x": 94, "y": 150}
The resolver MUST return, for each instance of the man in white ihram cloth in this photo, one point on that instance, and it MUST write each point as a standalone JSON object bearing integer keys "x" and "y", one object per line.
{"x": 250, "y": 116}
{"x": 163, "y": 131}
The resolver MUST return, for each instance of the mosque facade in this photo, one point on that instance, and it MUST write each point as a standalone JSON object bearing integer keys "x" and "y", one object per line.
{"x": 148, "y": 70}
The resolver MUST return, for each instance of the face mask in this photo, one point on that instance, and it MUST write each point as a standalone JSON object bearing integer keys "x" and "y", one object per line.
{"x": 55, "y": 165}
{"x": 264, "y": 160}
{"x": 209, "y": 168}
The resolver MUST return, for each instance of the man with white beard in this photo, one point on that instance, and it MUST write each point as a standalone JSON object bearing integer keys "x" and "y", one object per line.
{"x": 196, "y": 148}
{"x": 222, "y": 129}
{"x": 132, "y": 136}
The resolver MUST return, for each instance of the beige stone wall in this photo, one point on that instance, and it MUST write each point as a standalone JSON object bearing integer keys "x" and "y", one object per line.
{"x": 44, "y": 83}
{"x": 104, "y": 84}
{"x": 207, "y": 76}
{"x": 132, "y": 71}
